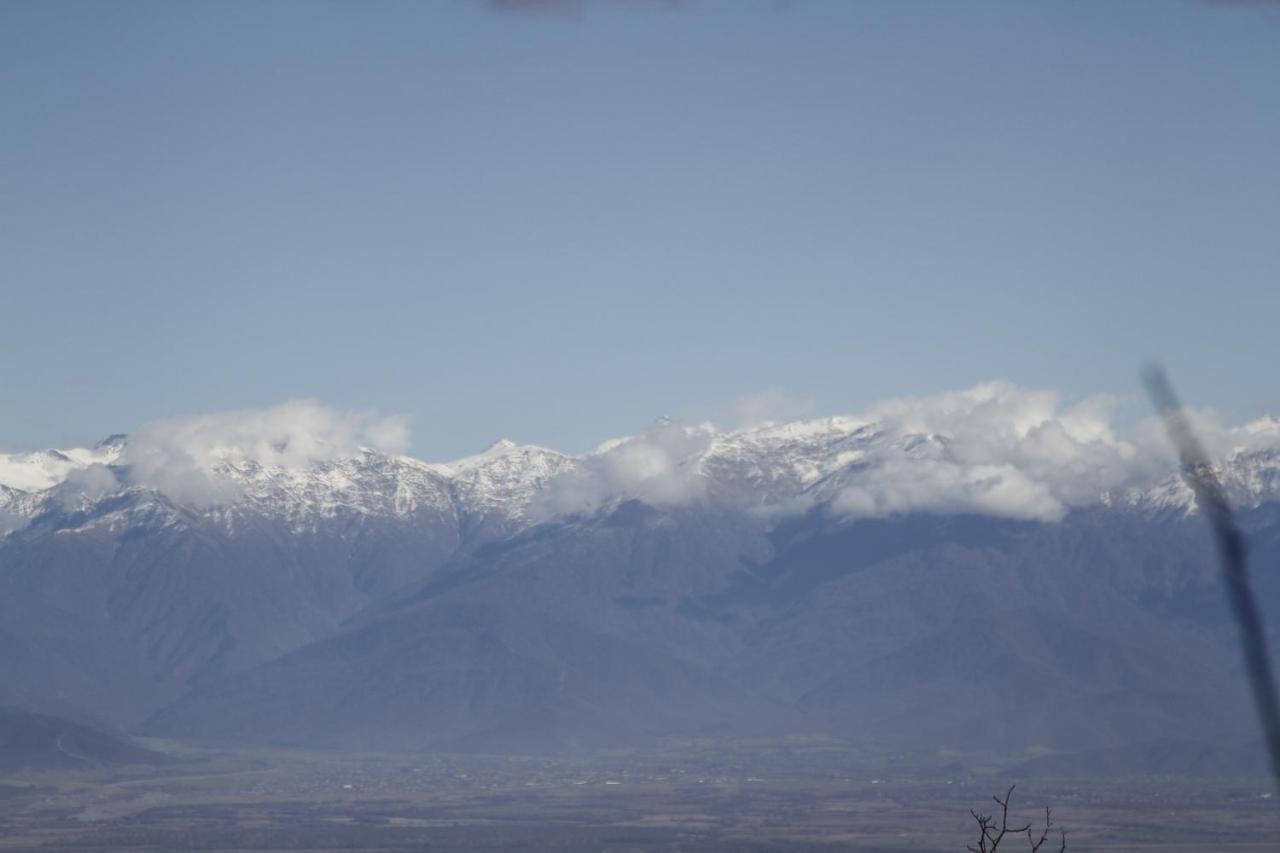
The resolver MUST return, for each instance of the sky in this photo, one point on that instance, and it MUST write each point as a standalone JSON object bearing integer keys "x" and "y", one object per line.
{"x": 558, "y": 221}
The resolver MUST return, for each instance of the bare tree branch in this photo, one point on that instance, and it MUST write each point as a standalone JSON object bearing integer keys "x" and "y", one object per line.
{"x": 1035, "y": 843}
{"x": 990, "y": 837}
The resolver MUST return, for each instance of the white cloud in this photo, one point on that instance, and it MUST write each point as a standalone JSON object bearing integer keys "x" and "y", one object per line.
{"x": 658, "y": 467}
{"x": 900, "y": 486}
{"x": 994, "y": 449}
{"x": 90, "y": 483}
{"x": 181, "y": 457}
{"x": 388, "y": 435}
{"x": 1220, "y": 441}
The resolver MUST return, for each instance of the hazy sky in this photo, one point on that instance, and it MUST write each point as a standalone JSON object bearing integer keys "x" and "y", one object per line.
{"x": 557, "y": 225}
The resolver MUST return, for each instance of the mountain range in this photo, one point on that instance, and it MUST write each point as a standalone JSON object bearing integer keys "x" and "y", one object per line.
{"x": 872, "y": 578}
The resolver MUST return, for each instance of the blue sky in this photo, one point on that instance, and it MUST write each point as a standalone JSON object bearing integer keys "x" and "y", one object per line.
{"x": 556, "y": 226}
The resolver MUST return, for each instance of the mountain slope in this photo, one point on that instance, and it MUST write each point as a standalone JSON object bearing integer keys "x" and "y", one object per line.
{"x": 551, "y": 640}
{"x": 41, "y": 742}
{"x": 612, "y": 629}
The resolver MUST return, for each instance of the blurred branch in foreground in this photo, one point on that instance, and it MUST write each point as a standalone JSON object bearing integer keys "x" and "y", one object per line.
{"x": 1212, "y": 501}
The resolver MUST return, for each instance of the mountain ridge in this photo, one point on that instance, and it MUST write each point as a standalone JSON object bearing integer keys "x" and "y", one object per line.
{"x": 775, "y": 468}
{"x": 868, "y": 577}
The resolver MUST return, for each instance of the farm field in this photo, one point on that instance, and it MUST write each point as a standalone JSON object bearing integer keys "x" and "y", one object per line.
{"x": 786, "y": 795}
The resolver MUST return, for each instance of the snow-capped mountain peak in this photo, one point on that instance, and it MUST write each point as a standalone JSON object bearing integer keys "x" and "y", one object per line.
{"x": 861, "y": 465}
{"x": 44, "y": 469}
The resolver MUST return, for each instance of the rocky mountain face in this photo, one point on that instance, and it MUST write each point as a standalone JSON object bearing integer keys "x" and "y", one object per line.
{"x": 843, "y": 575}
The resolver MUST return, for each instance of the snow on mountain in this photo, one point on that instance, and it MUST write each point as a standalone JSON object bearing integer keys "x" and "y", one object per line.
{"x": 505, "y": 479}
{"x": 777, "y": 463}
{"x": 43, "y": 469}
{"x": 368, "y": 483}
{"x": 501, "y": 481}
{"x": 495, "y": 486}
{"x": 860, "y": 466}
{"x": 1245, "y": 459}
{"x": 27, "y": 480}
{"x": 1249, "y": 477}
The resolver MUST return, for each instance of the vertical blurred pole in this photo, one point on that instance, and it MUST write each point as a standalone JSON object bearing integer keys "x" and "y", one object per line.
{"x": 1212, "y": 501}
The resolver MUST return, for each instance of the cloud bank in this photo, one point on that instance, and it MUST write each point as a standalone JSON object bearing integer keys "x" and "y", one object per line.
{"x": 993, "y": 449}
{"x": 659, "y": 467}
{"x": 182, "y": 457}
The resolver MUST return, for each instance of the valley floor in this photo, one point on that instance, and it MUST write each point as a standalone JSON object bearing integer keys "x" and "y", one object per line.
{"x": 795, "y": 795}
